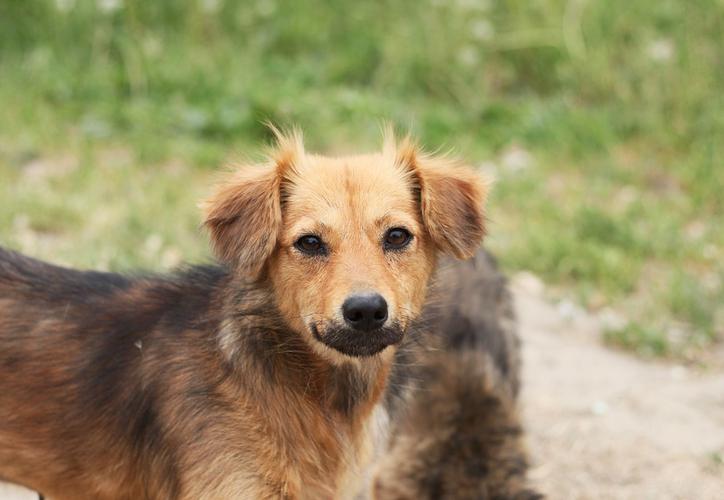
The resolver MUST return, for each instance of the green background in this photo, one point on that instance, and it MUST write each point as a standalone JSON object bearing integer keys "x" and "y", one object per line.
{"x": 603, "y": 122}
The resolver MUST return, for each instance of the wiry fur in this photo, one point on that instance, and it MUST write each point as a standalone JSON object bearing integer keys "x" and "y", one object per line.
{"x": 456, "y": 433}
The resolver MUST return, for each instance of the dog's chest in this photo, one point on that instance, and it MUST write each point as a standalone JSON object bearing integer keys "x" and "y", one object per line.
{"x": 349, "y": 474}
{"x": 300, "y": 454}
{"x": 356, "y": 482}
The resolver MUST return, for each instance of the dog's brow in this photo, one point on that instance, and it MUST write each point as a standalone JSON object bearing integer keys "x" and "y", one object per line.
{"x": 396, "y": 218}
{"x": 308, "y": 225}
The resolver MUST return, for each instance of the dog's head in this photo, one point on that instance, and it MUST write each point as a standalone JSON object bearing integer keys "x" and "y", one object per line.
{"x": 347, "y": 244}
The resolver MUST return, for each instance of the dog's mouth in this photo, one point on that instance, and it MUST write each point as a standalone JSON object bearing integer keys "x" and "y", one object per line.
{"x": 355, "y": 343}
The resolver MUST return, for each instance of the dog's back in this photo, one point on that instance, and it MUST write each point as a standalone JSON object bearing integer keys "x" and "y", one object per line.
{"x": 40, "y": 361}
{"x": 70, "y": 400}
{"x": 456, "y": 432}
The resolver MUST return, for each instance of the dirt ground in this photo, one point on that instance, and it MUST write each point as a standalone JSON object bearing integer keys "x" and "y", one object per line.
{"x": 602, "y": 424}
{"x": 605, "y": 425}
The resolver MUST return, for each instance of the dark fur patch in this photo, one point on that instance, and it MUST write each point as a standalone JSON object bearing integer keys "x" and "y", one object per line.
{"x": 358, "y": 344}
{"x": 348, "y": 389}
{"x": 31, "y": 278}
{"x": 456, "y": 433}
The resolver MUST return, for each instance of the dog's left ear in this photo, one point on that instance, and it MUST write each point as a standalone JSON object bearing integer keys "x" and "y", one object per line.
{"x": 452, "y": 199}
{"x": 244, "y": 216}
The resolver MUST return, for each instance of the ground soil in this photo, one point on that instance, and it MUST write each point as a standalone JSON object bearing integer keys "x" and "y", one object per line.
{"x": 603, "y": 424}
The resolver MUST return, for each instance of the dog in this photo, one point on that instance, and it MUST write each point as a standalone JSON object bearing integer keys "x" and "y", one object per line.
{"x": 262, "y": 376}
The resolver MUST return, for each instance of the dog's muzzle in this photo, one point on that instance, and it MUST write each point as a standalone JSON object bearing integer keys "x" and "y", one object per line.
{"x": 358, "y": 343}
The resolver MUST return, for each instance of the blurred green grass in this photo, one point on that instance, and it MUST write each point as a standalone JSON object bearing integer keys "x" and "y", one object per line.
{"x": 603, "y": 122}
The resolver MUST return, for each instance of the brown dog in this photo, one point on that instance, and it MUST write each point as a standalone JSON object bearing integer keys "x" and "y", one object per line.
{"x": 258, "y": 378}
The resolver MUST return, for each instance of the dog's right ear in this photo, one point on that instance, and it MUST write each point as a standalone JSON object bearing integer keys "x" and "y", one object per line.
{"x": 243, "y": 219}
{"x": 244, "y": 215}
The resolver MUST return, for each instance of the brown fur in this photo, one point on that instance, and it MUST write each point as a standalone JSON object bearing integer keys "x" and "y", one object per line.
{"x": 217, "y": 382}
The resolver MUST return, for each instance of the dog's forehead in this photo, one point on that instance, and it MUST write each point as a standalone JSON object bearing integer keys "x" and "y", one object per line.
{"x": 370, "y": 185}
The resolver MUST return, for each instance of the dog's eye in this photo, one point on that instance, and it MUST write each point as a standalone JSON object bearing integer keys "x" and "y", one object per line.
{"x": 311, "y": 245}
{"x": 397, "y": 238}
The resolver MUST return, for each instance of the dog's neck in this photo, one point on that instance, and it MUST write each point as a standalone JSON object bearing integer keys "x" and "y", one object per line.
{"x": 254, "y": 335}
{"x": 328, "y": 408}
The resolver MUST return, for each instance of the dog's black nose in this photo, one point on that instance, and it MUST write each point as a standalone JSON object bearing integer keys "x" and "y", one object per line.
{"x": 365, "y": 312}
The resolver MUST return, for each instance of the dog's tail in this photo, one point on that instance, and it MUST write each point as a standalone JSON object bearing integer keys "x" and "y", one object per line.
{"x": 456, "y": 431}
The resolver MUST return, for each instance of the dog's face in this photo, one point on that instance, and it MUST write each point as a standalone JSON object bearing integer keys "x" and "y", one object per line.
{"x": 347, "y": 244}
{"x": 353, "y": 258}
